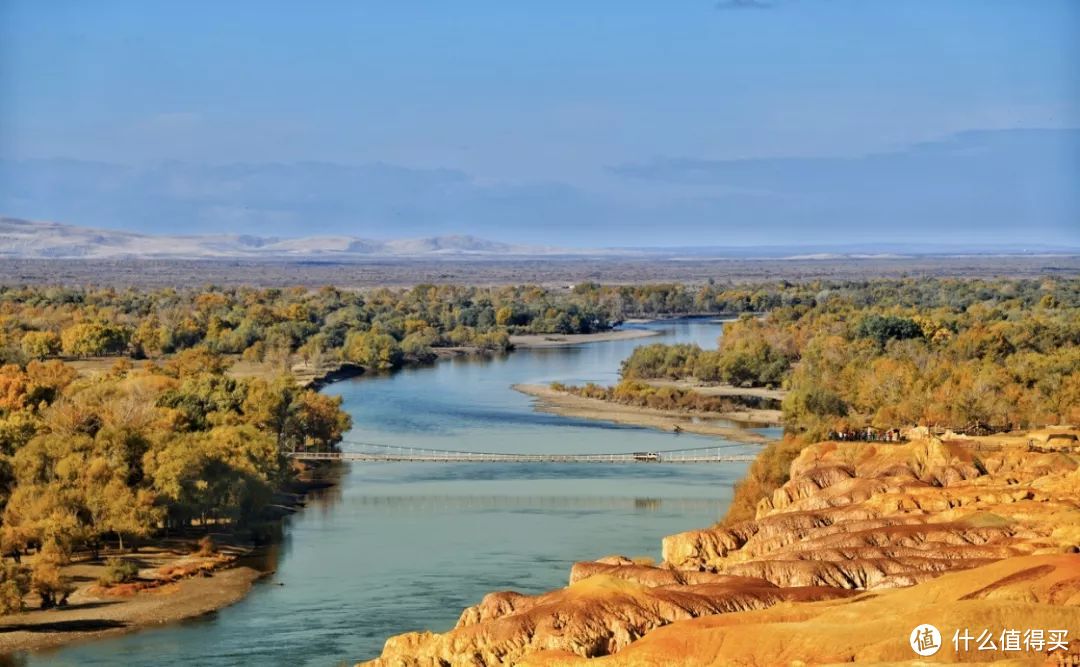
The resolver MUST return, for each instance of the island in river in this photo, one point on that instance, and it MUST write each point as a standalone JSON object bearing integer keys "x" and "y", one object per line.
{"x": 560, "y": 340}
{"x": 705, "y": 423}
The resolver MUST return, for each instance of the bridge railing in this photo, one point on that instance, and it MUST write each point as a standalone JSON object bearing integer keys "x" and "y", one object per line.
{"x": 373, "y": 452}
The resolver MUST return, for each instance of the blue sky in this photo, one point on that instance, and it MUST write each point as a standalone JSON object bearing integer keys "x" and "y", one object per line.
{"x": 568, "y": 123}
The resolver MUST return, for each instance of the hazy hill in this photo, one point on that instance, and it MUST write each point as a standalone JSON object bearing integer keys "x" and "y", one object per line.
{"x": 31, "y": 239}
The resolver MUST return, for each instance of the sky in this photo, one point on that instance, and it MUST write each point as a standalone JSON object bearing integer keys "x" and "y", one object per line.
{"x": 730, "y": 122}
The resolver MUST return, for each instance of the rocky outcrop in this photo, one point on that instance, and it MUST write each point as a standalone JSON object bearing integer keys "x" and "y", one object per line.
{"x": 595, "y": 616}
{"x": 874, "y": 534}
{"x": 1040, "y": 592}
{"x": 876, "y": 516}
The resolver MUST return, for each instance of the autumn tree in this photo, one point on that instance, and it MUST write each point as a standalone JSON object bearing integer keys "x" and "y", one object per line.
{"x": 370, "y": 349}
{"x": 94, "y": 339}
{"x": 40, "y": 344}
{"x": 14, "y": 585}
{"x": 46, "y": 578}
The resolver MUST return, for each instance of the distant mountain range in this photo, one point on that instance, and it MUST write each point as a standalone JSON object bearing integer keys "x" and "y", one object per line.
{"x": 27, "y": 239}
{"x": 41, "y": 240}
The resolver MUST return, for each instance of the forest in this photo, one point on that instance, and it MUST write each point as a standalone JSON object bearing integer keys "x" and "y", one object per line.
{"x": 972, "y": 356}
{"x": 378, "y": 329}
{"x": 132, "y": 453}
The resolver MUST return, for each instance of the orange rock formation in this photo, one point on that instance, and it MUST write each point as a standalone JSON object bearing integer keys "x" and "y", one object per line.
{"x": 863, "y": 543}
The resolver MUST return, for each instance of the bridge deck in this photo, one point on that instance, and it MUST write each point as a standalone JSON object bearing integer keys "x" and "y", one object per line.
{"x": 481, "y": 457}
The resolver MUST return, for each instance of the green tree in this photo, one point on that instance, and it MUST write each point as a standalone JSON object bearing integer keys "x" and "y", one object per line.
{"x": 883, "y": 328}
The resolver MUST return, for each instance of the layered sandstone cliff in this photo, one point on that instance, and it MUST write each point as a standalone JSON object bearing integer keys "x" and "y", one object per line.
{"x": 872, "y": 628}
{"x": 863, "y": 543}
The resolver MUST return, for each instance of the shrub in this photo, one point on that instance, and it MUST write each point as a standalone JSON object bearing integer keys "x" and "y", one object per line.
{"x": 206, "y": 546}
{"x": 14, "y": 584}
{"x": 118, "y": 571}
{"x": 769, "y": 471}
{"x": 48, "y": 581}
{"x": 255, "y": 352}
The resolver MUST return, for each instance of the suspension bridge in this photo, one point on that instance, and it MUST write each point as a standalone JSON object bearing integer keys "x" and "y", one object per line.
{"x": 367, "y": 452}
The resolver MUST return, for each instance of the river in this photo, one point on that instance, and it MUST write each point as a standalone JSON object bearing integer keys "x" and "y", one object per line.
{"x": 406, "y": 546}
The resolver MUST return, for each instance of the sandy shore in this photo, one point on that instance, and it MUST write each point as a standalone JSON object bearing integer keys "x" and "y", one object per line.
{"x": 558, "y": 340}
{"x": 173, "y": 584}
{"x": 705, "y": 423}
{"x": 92, "y": 614}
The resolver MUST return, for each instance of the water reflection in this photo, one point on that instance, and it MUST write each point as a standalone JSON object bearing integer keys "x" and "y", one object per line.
{"x": 509, "y": 503}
